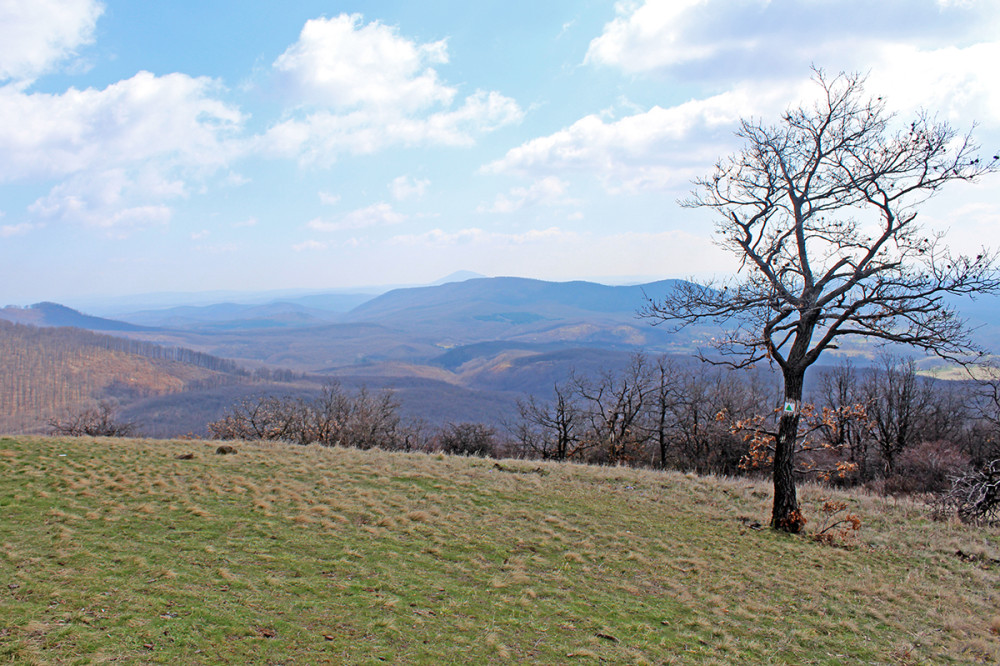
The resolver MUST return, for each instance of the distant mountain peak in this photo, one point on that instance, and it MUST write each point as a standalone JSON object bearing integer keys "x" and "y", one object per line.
{"x": 458, "y": 276}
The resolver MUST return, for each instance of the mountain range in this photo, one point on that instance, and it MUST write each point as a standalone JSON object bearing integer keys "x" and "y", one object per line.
{"x": 460, "y": 350}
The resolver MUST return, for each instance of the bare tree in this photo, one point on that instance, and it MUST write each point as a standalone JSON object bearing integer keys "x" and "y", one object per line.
{"x": 615, "y": 404}
{"x": 550, "y": 429}
{"x": 821, "y": 209}
{"x": 846, "y": 428}
{"x": 897, "y": 400}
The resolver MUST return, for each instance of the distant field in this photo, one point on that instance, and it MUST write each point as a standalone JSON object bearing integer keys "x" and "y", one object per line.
{"x": 117, "y": 551}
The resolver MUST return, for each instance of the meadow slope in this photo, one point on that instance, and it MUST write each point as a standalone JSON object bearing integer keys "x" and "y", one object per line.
{"x": 118, "y": 551}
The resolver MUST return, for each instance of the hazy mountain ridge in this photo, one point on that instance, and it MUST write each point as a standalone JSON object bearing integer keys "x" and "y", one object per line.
{"x": 53, "y": 314}
{"x": 457, "y": 351}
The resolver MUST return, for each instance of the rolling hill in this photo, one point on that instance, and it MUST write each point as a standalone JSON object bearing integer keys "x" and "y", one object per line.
{"x": 53, "y": 314}
{"x": 47, "y": 372}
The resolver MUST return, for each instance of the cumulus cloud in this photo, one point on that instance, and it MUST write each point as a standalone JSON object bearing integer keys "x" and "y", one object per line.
{"x": 36, "y": 35}
{"x": 937, "y": 54}
{"x": 358, "y": 88}
{"x": 376, "y": 215}
{"x": 406, "y": 187}
{"x": 961, "y": 85}
{"x": 662, "y": 147}
{"x": 342, "y": 63}
{"x": 118, "y": 152}
{"x": 769, "y": 37}
{"x": 547, "y": 191}
{"x": 106, "y": 199}
{"x": 173, "y": 118}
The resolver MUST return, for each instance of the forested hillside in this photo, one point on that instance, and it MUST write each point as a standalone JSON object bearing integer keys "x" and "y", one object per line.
{"x": 48, "y": 371}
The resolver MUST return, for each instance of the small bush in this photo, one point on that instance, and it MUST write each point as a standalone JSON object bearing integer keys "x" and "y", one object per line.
{"x": 97, "y": 421}
{"x": 468, "y": 439}
{"x": 975, "y": 496}
{"x": 926, "y": 468}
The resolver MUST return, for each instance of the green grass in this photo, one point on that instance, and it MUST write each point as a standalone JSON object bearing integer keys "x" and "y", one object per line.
{"x": 115, "y": 551}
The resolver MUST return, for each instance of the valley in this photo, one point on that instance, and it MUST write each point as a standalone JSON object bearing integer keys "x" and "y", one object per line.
{"x": 451, "y": 352}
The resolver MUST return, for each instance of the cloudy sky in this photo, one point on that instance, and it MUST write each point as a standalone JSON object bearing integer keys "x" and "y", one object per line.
{"x": 252, "y": 145}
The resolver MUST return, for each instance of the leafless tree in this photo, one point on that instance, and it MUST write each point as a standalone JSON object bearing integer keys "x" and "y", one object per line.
{"x": 897, "y": 399}
{"x": 552, "y": 429}
{"x": 821, "y": 209}
{"x": 615, "y": 404}
{"x": 847, "y": 428}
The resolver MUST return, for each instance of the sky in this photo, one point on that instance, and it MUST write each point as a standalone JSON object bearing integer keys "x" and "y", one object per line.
{"x": 252, "y": 145}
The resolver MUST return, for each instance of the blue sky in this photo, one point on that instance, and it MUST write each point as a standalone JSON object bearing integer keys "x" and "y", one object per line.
{"x": 192, "y": 146}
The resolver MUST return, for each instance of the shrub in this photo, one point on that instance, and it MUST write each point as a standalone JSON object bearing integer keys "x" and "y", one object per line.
{"x": 469, "y": 439}
{"x": 927, "y": 467}
{"x": 96, "y": 421}
{"x": 975, "y": 496}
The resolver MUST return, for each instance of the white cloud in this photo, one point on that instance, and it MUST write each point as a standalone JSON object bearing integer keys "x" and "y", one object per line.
{"x": 405, "y": 187}
{"x": 120, "y": 152}
{"x": 357, "y": 89}
{"x": 8, "y": 230}
{"x": 547, "y": 191}
{"x": 172, "y": 118}
{"x": 249, "y": 222}
{"x": 961, "y": 85}
{"x": 328, "y": 199}
{"x": 663, "y": 147}
{"x": 36, "y": 35}
{"x": 309, "y": 245}
{"x": 342, "y": 63}
{"x": 654, "y": 34}
{"x": 105, "y": 199}
{"x": 724, "y": 40}
{"x": 199, "y": 235}
{"x": 376, "y": 215}
{"x": 320, "y": 137}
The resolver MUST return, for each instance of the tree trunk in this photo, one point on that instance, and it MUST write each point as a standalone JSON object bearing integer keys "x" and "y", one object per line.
{"x": 785, "y": 514}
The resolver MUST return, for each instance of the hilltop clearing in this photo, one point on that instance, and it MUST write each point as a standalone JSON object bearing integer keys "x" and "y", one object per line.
{"x": 119, "y": 550}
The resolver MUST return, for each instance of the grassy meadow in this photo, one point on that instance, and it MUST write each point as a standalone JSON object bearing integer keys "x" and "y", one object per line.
{"x": 118, "y": 551}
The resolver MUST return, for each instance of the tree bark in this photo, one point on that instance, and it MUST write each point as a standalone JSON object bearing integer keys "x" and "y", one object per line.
{"x": 785, "y": 514}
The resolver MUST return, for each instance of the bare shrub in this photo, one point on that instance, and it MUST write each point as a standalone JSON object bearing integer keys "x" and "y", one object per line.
{"x": 468, "y": 439}
{"x": 927, "y": 467}
{"x": 975, "y": 496}
{"x": 96, "y": 421}
{"x": 335, "y": 418}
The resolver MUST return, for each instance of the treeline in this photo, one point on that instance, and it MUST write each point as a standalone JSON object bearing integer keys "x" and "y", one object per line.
{"x": 883, "y": 426}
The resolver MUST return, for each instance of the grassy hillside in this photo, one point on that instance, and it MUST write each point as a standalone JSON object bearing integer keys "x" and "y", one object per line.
{"x": 115, "y": 550}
